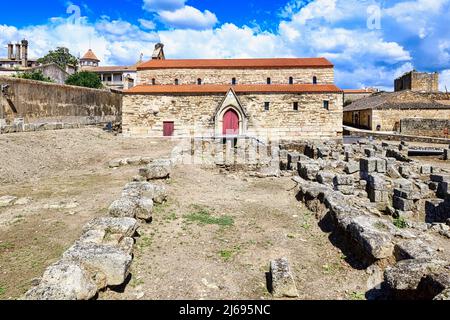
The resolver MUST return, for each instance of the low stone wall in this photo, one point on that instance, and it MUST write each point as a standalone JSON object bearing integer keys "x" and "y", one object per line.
{"x": 27, "y": 105}
{"x": 395, "y": 137}
{"x": 426, "y": 127}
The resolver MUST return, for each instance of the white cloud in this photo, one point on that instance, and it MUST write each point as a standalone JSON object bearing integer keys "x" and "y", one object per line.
{"x": 227, "y": 41}
{"x": 444, "y": 81}
{"x": 114, "y": 42}
{"x": 147, "y": 24}
{"x": 160, "y": 5}
{"x": 188, "y": 18}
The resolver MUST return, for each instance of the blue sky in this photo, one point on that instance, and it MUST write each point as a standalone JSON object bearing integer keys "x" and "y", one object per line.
{"x": 370, "y": 42}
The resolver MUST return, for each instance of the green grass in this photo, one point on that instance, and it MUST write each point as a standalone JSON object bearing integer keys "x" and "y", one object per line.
{"x": 400, "y": 223}
{"x": 357, "y": 296}
{"x": 2, "y": 291}
{"x": 203, "y": 216}
{"x": 229, "y": 253}
{"x": 5, "y": 246}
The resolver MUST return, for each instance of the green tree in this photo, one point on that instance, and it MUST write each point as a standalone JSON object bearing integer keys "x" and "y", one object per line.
{"x": 33, "y": 75}
{"x": 85, "y": 79}
{"x": 61, "y": 56}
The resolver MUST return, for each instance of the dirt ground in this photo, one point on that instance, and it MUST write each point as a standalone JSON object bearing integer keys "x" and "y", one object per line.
{"x": 178, "y": 257}
{"x": 212, "y": 240}
{"x": 65, "y": 180}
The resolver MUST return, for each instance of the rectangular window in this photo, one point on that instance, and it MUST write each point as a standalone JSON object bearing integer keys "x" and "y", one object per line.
{"x": 269, "y": 81}
{"x": 295, "y": 106}
{"x": 266, "y": 106}
{"x": 326, "y": 105}
{"x": 168, "y": 128}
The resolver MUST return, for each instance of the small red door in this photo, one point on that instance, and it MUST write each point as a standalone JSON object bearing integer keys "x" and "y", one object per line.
{"x": 231, "y": 123}
{"x": 168, "y": 128}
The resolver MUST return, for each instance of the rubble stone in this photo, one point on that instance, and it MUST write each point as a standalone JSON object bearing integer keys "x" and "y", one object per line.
{"x": 282, "y": 281}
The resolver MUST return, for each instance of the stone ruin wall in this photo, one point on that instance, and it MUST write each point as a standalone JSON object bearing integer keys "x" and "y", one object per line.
{"x": 426, "y": 127}
{"x": 143, "y": 115}
{"x": 243, "y": 76}
{"x": 390, "y": 213}
{"x": 390, "y": 119}
{"x": 40, "y": 104}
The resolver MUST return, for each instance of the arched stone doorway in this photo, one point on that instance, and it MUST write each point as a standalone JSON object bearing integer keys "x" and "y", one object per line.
{"x": 230, "y": 123}
{"x": 230, "y": 117}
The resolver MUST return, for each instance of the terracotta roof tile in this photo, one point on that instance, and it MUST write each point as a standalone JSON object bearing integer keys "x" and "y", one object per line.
{"x": 111, "y": 69}
{"x": 242, "y": 88}
{"x": 236, "y": 63}
{"x": 90, "y": 55}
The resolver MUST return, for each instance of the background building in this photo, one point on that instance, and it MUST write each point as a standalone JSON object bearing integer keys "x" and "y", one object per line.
{"x": 114, "y": 77}
{"x": 418, "y": 81}
{"x": 395, "y": 111}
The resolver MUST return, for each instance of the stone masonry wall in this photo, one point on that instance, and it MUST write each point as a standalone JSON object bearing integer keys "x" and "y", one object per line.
{"x": 390, "y": 119}
{"x": 418, "y": 81}
{"x": 425, "y": 127}
{"x": 243, "y": 76}
{"x": 143, "y": 115}
{"x": 39, "y": 102}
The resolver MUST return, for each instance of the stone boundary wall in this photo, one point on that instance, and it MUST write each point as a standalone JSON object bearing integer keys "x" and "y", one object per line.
{"x": 27, "y": 105}
{"x": 425, "y": 127}
{"x": 396, "y": 137}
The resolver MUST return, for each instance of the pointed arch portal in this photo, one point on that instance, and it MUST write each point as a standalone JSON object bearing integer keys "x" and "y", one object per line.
{"x": 230, "y": 117}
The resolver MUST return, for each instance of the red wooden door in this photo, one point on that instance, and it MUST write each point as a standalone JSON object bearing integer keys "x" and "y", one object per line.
{"x": 231, "y": 123}
{"x": 168, "y": 128}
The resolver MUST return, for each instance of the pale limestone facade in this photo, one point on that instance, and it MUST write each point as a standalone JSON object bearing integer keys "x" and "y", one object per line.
{"x": 242, "y": 76}
{"x": 200, "y": 114}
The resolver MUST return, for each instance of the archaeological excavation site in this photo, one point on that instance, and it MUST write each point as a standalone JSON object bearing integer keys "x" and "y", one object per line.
{"x": 88, "y": 214}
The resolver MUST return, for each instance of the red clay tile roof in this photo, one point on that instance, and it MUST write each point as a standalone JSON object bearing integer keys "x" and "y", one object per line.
{"x": 90, "y": 55}
{"x": 241, "y": 88}
{"x": 111, "y": 69}
{"x": 237, "y": 63}
{"x": 359, "y": 91}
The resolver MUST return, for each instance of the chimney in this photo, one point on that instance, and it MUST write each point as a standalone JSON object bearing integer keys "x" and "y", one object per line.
{"x": 10, "y": 51}
{"x": 158, "y": 53}
{"x": 18, "y": 52}
{"x": 24, "y": 53}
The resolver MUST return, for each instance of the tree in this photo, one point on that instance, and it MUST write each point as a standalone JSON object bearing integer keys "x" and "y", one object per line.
{"x": 85, "y": 79}
{"x": 61, "y": 56}
{"x": 33, "y": 75}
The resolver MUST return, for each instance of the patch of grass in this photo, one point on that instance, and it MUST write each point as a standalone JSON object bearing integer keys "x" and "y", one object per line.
{"x": 203, "y": 216}
{"x": 357, "y": 296}
{"x": 306, "y": 225}
{"x": 330, "y": 268}
{"x": 2, "y": 290}
{"x": 144, "y": 242}
{"x": 171, "y": 217}
{"x": 5, "y": 246}
{"x": 136, "y": 282}
{"x": 229, "y": 253}
{"x": 400, "y": 223}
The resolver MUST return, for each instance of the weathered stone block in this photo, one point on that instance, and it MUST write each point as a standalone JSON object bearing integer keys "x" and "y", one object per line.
{"x": 282, "y": 281}
{"x": 407, "y": 274}
{"x": 308, "y": 171}
{"x": 352, "y": 167}
{"x": 368, "y": 164}
{"x": 64, "y": 280}
{"x": 325, "y": 177}
{"x": 403, "y": 204}
{"x": 371, "y": 233}
{"x": 112, "y": 263}
{"x": 344, "y": 180}
{"x": 426, "y": 169}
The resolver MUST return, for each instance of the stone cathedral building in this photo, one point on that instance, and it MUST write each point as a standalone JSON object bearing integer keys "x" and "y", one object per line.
{"x": 292, "y": 98}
